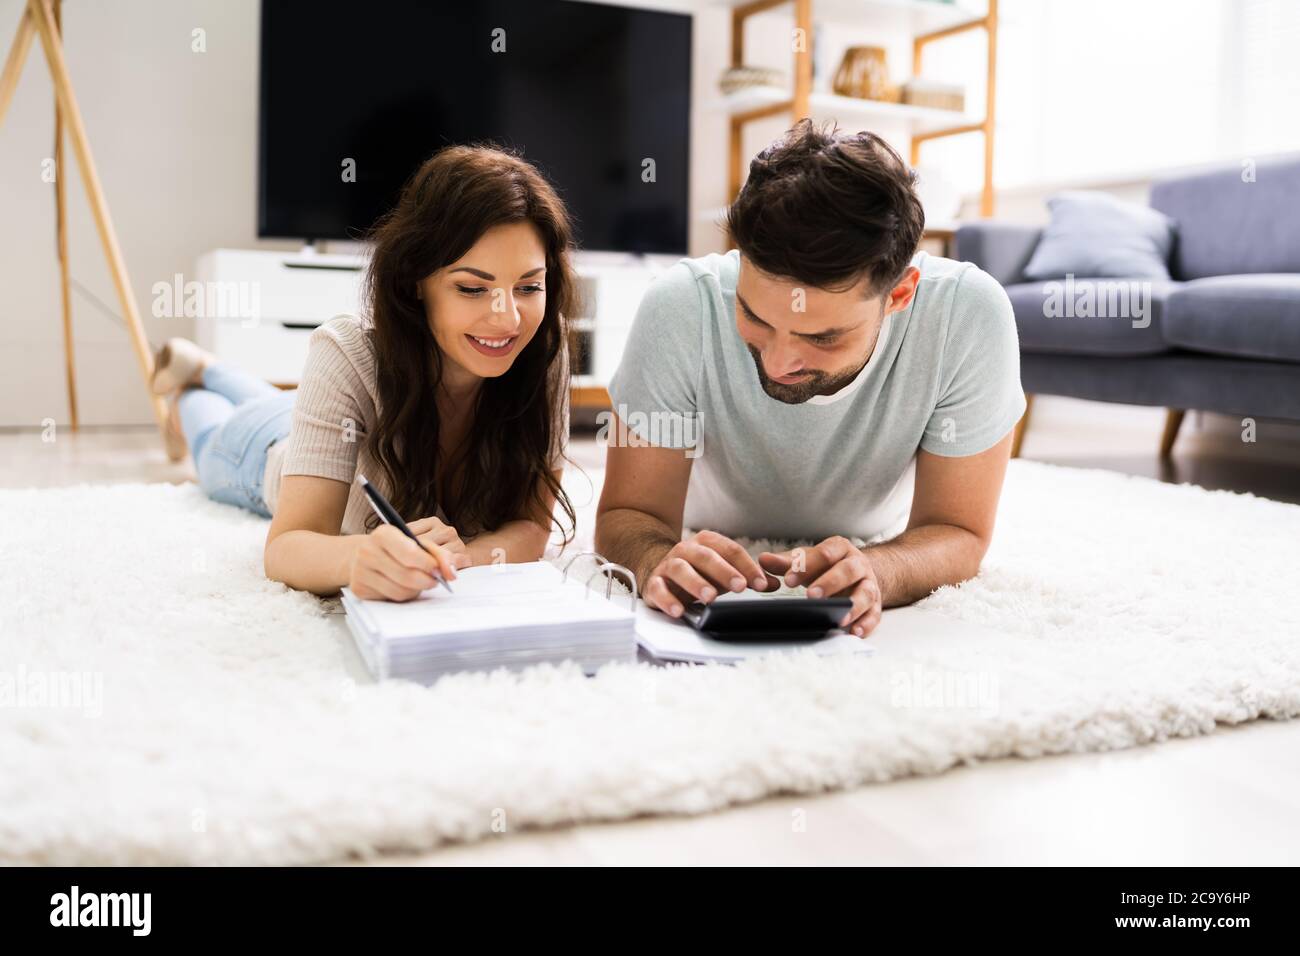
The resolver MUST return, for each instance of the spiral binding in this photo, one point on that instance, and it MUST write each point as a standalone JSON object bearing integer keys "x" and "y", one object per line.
{"x": 608, "y": 568}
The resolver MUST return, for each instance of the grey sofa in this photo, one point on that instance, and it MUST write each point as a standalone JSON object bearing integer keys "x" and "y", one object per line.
{"x": 1222, "y": 336}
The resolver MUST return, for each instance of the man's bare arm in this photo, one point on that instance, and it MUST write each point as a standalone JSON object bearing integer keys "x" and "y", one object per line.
{"x": 954, "y": 507}
{"x": 639, "y": 525}
{"x": 639, "y": 517}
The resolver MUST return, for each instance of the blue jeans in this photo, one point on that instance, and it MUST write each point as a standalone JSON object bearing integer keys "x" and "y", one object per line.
{"x": 230, "y": 424}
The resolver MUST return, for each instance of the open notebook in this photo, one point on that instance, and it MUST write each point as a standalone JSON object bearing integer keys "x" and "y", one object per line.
{"x": 502, "y": 615}
{"x": 515, "y": 615}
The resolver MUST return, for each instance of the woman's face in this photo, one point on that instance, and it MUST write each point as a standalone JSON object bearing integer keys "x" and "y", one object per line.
{"x": 486, "y": 306}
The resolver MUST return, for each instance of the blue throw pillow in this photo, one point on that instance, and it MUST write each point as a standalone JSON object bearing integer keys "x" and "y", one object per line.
{"x": 1095, "y": 234}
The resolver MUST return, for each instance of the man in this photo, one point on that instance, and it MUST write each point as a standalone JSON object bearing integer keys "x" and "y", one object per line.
{"x": 841, "y": 384}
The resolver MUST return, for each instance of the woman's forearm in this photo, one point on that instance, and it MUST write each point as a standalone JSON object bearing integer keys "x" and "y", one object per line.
{"x": 311, "y": 561}
{"x": 322, "y": 563}
{"x": 513, "y": 542}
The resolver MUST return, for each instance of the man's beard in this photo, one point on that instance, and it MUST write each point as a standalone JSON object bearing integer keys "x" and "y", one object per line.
{"x": 817, "y": 382}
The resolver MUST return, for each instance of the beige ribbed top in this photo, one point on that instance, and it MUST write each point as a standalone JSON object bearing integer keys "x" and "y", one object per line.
{"x": 333, "y": 415}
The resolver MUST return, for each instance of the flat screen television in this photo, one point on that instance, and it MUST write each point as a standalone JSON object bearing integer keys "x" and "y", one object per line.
{"x": 586, "y": 91}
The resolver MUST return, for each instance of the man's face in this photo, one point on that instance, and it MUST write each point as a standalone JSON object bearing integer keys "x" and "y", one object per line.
{"x": 807, "y": 341}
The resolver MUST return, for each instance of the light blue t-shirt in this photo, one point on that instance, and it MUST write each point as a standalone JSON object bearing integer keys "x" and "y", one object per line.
{"x": 944, "y": 377}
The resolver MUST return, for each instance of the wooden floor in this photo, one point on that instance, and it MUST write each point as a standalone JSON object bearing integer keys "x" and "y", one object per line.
{"x": 1230, "y": 798}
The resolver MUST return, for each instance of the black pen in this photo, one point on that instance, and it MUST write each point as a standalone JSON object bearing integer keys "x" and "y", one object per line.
{"x": 388, "y": 515}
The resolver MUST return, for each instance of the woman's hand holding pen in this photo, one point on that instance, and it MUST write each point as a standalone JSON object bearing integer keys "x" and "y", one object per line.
{"x": 432, "y": 531}
{"x": 389, "y": 566}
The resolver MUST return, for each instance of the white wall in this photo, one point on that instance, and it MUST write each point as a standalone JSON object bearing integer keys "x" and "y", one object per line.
{"x": 1028, "y": 204}
{"x": 709, "y": 141}
{"x": 174, "y": 136}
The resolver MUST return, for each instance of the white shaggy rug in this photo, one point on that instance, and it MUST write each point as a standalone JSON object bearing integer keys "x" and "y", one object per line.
{"x": 160, "y": 702}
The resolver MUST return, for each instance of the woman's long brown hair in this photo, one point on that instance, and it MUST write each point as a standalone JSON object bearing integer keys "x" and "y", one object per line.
{"x": 504, "y": 470}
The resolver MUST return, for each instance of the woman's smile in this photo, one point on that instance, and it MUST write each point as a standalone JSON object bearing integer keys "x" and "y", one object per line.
{"x": 495, "y": 347}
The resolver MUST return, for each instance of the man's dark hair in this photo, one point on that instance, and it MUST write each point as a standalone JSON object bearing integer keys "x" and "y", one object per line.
{"x": 828, "y": 209}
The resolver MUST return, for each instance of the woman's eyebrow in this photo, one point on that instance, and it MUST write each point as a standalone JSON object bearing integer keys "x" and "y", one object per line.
{"x": 490, "y": 277}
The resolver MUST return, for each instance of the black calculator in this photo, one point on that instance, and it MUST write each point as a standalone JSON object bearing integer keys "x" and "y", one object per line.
{"x": 768, "y": 619}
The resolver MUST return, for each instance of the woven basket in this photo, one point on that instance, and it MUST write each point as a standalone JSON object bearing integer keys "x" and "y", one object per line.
{"x": 737, "y": 78}
{"x": 864, "y": 73}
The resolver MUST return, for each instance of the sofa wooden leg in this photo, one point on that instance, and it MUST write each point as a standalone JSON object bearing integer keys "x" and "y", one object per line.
{"x": 1018, "y": 436}
{"x": 1173, "y": 421}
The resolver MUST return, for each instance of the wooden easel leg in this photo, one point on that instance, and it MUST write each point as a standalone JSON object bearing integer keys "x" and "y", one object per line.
{"x": 40, "y": 12}
{"x": 61, "y": 231}
{"x": 14, "y": 62}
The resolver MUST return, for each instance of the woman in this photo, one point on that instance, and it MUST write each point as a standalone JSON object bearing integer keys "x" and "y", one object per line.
{"x": 452, "y": 400}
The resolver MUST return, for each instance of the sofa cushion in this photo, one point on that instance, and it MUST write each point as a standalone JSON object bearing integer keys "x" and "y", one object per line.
{"x": 1091, "y": 316}
{"x": 1096, "y": 234}
{"x": 1241, "y": 219}
{"x": 1250, "y": 316}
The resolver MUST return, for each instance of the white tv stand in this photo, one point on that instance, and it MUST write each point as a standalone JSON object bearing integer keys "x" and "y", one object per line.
{"x": 294, "y": 292}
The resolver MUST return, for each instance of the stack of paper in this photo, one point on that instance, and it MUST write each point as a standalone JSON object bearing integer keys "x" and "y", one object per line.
{"x": 503, "y": 615}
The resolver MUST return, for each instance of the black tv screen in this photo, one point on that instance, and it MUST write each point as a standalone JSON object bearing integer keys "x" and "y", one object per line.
{"x": 586, "y": 91}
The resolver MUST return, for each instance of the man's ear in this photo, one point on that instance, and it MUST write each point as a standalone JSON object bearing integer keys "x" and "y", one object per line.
{"x": 900, "y": 297}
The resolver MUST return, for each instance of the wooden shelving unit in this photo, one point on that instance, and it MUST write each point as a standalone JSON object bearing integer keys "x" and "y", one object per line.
{"x": 757, "y": 97}
{"x": 923, "y": 18}
{"x": 989, "y": 24}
